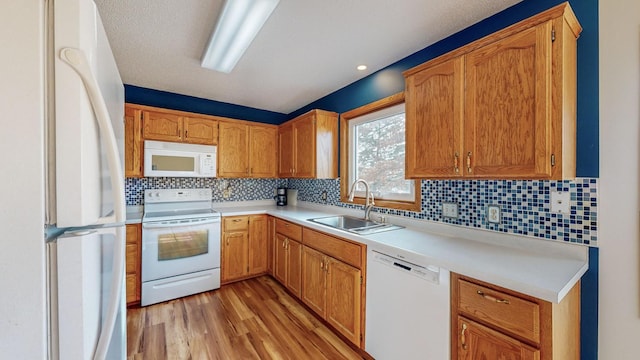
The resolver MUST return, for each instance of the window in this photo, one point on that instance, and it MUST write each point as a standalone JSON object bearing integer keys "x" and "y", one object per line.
{"x": 373, "y": 149}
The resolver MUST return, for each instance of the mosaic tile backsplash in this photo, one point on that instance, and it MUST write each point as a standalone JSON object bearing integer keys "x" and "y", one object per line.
{"x": 237, "y": 189}
{"x": 525, "y": 204}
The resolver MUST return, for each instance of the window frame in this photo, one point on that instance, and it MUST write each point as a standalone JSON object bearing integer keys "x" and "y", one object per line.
{"x": 345, "y": 138}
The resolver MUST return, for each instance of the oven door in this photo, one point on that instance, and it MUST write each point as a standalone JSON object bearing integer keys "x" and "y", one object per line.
{"x": 176, "y": 247}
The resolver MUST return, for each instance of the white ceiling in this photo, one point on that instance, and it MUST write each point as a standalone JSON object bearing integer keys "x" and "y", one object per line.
{"x": 306, "y": 50}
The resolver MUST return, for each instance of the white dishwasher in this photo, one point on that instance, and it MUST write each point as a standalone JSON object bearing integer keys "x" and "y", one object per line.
{"x": 407, "y": 309}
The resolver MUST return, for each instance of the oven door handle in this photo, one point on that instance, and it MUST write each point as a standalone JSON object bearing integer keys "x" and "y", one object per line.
{"x": 177, "y": 223}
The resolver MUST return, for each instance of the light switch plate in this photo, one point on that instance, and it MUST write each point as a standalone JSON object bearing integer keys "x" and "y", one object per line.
{"x": 450, "y": 210}
{"x": 560, "y": 202}
{"x": 494, "y": 214}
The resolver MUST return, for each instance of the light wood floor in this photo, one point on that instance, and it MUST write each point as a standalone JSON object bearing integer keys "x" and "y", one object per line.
{"x": 252, "y": 319}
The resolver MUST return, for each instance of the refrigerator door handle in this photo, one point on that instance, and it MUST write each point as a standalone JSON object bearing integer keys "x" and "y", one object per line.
{"x": 78, "y": 61}
{"x": 117, "y": 284}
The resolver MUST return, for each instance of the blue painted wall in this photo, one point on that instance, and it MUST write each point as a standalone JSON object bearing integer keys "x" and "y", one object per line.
{"x": 389, "y": 80}
{"x": 167, "y": 100}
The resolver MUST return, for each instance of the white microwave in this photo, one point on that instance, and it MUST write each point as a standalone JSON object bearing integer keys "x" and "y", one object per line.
{"x": 169, "y": 159}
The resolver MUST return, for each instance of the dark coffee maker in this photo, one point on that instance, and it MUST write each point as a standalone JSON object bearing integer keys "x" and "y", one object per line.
{"x": 281, "y": 196}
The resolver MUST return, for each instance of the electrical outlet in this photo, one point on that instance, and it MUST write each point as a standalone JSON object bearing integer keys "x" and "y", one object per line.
{"x": 560, "y": 202}
{"x": 323, "y": 196}
{"x": 450, "y": 210}
{"x": 494, "y": 214}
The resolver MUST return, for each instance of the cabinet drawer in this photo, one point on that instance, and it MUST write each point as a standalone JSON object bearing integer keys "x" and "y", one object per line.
{"x": 289, "y": 230}
{"x": 337, "y": 248}
{"x": 510, "y": 313}
{"x": 235, "y": 223}
{"x": 132, "y": 258}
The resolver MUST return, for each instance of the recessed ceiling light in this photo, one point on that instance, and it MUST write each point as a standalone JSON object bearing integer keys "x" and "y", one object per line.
{"x": 362, "y": 67}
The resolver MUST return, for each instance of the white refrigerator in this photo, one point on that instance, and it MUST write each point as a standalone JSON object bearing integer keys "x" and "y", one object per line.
{"x": 62, "y": 207}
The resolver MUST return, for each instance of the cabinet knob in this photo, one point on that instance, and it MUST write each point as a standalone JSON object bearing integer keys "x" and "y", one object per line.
{"x": 469, "y": 162}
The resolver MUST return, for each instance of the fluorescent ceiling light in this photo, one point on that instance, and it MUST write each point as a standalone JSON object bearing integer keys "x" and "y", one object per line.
{"x": 238, "y": 25}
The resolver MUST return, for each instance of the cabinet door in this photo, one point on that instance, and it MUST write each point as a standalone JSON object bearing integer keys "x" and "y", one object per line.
{"x": 271, "y": 244}
{"x": 162, "y": 126}
{"x": 258, "y": 237}
{"x": 344, "y": 293}
{"x": 200, "y": 131}
{"x": 285, "y": 151}
{"x": 133, "y": 144}
{"x": 434, "y": 121}
{"x": 314, "y": 280}
{"x": 508, "y": 108}
{"x": 262, "y": 151}
{"x": 234, "y": 255}
{"x": 133, "y": 259}
{"x": 305, "y": 147}
{"x": 476, "y": 341}
{"x": 233, "y": 142}
{"x": 294, "y": 266}
{"x": 280, "y": 259}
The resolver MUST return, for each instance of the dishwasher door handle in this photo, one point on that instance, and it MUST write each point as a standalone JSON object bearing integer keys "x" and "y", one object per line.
{"x": 402, "y": 266}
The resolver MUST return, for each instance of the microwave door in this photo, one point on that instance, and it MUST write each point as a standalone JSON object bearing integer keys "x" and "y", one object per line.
{"x": 168, "y": 163}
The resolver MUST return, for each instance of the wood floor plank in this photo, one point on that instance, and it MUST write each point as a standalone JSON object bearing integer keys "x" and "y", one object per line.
{"x": 252, "y": 319}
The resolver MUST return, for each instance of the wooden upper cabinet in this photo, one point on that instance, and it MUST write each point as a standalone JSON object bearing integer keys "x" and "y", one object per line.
{"x": 162, "y": 126}
{"x": 285, "y": 151}
{"x": 263, "y": 151}
{"x": 133, "y": 144}
{"x": 508, "y": 102}
{"x": 177, "y": 126}
{"x": 247, "y": 151}
{"x": 501, "y": 107}
{"x": 200, "y": 131}
{"x": 304, "y": 133}
{"x": 308, "y": 146}
{"x": 233, "y": 158}
{"x": 434, "y": 121}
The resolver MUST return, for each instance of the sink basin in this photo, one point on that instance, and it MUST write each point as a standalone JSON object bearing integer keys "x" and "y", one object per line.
{"x": 354, "y": 224}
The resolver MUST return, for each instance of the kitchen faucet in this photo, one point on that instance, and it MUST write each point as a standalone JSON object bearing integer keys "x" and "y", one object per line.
{"x": 368, "y": 205}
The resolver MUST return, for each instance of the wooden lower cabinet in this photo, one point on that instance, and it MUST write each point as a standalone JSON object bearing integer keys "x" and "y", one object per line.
{"x": 287, "y": 260}
{"x": 287, "y": 263}
{"x": 133, "y": 260}
{"x": 244, "y": 247}
{"x": 235, "y": 250}
{"x": 314, "y": 280}
{"x": 333, "y": 290}
{"x": 491, "y": 322}
{"x": 332, "y": 282}
{"x": 481, "y": 342}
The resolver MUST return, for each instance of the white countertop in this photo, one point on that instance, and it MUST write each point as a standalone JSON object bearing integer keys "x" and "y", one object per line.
{"x": 134, "y": 214}
{"x": 541, "y": 268}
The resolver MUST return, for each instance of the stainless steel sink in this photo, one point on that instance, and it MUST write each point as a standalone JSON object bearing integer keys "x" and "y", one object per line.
{"x": 354, "y": 224}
